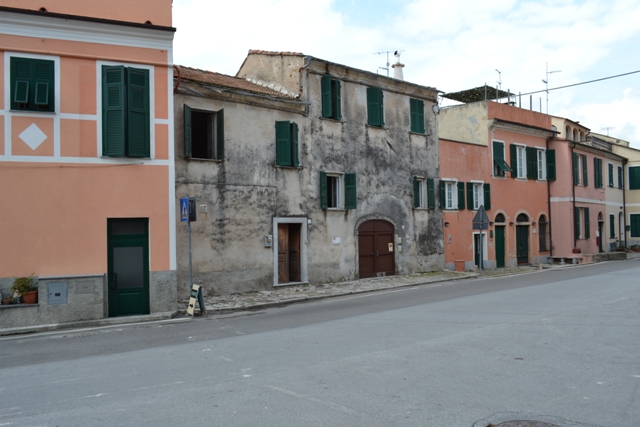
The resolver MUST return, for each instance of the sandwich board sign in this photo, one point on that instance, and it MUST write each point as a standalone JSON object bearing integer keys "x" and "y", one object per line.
{"x": 192, "y": 300}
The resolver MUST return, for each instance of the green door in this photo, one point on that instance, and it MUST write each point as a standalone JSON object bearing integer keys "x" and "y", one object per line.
{"x": 499, "y": 246}
{"x": 128, "y": 266}
{"x": 522, "y": 244}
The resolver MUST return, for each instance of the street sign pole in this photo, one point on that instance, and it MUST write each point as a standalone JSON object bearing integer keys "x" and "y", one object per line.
{"x": 480, "y": 260}
{"x": 190, "y": 263}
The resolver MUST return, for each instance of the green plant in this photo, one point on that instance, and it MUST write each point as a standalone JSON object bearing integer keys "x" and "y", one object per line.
{"x": 22, "y": 285}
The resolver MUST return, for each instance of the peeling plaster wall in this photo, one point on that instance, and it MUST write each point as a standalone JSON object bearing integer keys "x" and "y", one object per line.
{"x": 246, "y": 191}
{"x": 465, "y": 123}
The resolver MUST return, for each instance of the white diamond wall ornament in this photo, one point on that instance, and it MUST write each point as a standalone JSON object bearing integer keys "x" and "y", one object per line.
{"x": 33, "y": 136}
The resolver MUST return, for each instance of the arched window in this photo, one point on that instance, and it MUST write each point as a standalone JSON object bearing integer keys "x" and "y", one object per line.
{"x": 500, "y": 218}
{"x": 522, "y": 218}
{"x": 542, "y": 233}
{"x": 568, "y": 132}
{"x": 575, "y": 135}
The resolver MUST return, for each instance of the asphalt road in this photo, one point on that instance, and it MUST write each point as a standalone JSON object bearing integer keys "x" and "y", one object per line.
{"x": 561, "y": 345}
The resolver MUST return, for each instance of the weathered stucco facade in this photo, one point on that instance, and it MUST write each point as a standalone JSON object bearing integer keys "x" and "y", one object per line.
{"x": 351, "y": 186}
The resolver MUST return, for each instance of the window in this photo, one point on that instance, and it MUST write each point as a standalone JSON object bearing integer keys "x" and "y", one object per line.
{"x": 612, "y": 226}
{"x": 611, "y": 175}
{"x": 375, "y": 112}
{"x": 451, "y": 194}
{"x": 634, "y": 220}
{"x": 597, "y": 172}
{"x": 125, "y": 112}
{"x": 287, "y": 144}
{"x": 634, "y": 177}
{"x": 478, "y": 194}
{"x": 32, "y": 84}
{"x": 581, "y": 218}
{"x": 337, "y": 191}
{"x": 580, "y": 173}
{"x": 620, "y": 177}
{"x": 416, "y": 107}
{"x": 499, "y": 165}
{"x": 423, "y": 193}
{"x": 331, "y": 102}
{"x": 542, "y": 233}
{"x": 518, "y": 161}
{"x": 203, "y": 134}
{"x": 542, "y": 165}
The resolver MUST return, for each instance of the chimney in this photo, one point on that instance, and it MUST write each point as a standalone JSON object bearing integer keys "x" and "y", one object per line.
{"x": 397, "y": 67}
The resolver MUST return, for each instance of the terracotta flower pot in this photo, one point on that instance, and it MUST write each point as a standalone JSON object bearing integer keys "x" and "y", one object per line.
{"x": 30, "y": 297}
{"x": 6, "y": 301}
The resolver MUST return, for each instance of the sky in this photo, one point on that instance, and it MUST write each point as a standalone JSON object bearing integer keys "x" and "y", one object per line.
{"x": 450, "y": 45}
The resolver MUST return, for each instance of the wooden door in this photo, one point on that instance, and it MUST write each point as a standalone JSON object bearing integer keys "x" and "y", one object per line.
{"x": 289, "y": 253}
{"x": 499, "y": 246}
{"x": 522, "y": 244}
{"x": 376, "y": 249}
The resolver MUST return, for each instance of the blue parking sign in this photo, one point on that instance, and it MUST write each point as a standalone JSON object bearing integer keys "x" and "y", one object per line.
{"x": 184, "y": 209}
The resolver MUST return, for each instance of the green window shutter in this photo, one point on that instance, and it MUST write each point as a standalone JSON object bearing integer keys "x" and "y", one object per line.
{"x": 532, "y": 163}
{"x": 620, "y": 178}
{"x": 587, "y": 228}
{"x": 634, "y": 178}
{"x": 336, "y": 99}
{"x": 585, "y": 173}
{"x": 220, "y": 135}
{"x": 576, "y": 223}
{"x": 612, "y": 227}
{"x": 461, "y": 196}
{"x": 187, "y": 131}
{"x": 431, "y": 196}
{"x": 374, "y": 106}
{"x": 487, "y": 197}
{"x": 283, "y": 144}
{"x": 551, "y": 165}
{"x": 21, "y": 78}
{"x": 44, "y": 85}
{"x": 442, "y": 195}
{"x": 416, "y": 192}
{"x": 323, "y": 190}
{"x": 576, "y": 169}
{"x": 113, "y": 113}
{"x": 514, "y": 160}
{"x": 635, "y": 225}
{"x": 325, "y": 85}
{"x": 597, "y": 169}
{"x": 498, "y": 150}
{"x": 610, "y": 175}
{"x": 416, "y": 108}
{"x": 469, "y": 196}
{"x": 294, "y": 144}
{"x": 138, "y": 118}
{"x": 350, "y": 197}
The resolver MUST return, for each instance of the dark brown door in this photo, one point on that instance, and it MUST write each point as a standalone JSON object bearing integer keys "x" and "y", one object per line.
{"x": 376, "y": 249}
{"x": 288, "y": 253}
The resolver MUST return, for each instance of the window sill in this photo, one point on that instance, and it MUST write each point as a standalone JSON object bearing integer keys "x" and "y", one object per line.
{"x": 331, "y": 119}
{"x": 337, "y": 210}
{"x": 287, "y": 167}
{"x": 7, "y": 306}
{"x": 33, "y": 111}
{"x": 376, "y": 127}
{"x": 499, "y": 176}
{"x": 417, "y": 133}
{"x": 203, "y": 160}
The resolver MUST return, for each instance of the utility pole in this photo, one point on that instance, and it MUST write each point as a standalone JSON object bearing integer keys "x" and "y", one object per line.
{"x": 546, "y": 82}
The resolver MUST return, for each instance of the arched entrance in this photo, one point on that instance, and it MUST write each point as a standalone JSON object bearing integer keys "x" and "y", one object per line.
{"x": 522, "y": 238}
{"x": 376, "y": 249}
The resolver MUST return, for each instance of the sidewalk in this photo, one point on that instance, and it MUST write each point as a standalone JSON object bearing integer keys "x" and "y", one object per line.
{"x": 298, "y": 293}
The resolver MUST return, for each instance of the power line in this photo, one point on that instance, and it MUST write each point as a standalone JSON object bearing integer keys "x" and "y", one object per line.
{"x": 581, "y": 83}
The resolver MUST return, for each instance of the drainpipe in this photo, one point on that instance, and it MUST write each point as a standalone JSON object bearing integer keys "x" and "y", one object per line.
{"x": 549, "y": 204}
{"x": 573, "y": 199}
{"x": 624, "y": 201}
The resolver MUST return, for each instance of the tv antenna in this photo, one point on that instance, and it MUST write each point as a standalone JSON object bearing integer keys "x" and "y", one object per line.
{"x": 395, "y": 53}
{"x": 608, "y": 129}
{"x": 499, "y": 85}
{"x": 546, "y": 82}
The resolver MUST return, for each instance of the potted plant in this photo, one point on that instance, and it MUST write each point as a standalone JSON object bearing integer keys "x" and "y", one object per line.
{"x": 576, "y": 250}
{"x": 25, "y": 287}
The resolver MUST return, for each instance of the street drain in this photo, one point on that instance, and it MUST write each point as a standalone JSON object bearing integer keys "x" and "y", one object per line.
{"x": 522, "y": 423}
{"x": 82, "y": 334}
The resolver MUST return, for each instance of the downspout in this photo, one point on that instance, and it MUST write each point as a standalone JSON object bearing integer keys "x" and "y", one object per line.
{"x": 624, "y": 201}
{"x": 573, "y": 198}
{"x": 549, "y": 205}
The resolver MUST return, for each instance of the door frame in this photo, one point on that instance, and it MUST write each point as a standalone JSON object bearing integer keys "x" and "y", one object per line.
{"x": 304, "y": 271}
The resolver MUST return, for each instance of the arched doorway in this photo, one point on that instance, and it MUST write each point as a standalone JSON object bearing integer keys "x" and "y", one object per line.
{"x": 522, "y": 238}
{"x": 376, "y": 249}
{"x": 499, "y": 242}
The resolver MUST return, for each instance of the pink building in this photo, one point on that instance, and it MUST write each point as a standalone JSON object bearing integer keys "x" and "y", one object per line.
{"x": 496, "y": 156}
{"x": 86, "y": 158}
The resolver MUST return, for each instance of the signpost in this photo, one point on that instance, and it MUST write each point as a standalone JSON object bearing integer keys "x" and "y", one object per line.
{"x": 188, "y": 215}
{"x": 480, "y": 222}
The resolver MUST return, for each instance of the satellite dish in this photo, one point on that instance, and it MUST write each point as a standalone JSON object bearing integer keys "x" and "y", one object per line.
{"x": 436, "y": 109}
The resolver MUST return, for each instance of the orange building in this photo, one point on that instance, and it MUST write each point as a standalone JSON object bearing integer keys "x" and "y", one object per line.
{"x": 495, "y": 156}
{"x": 86, "y": 158}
